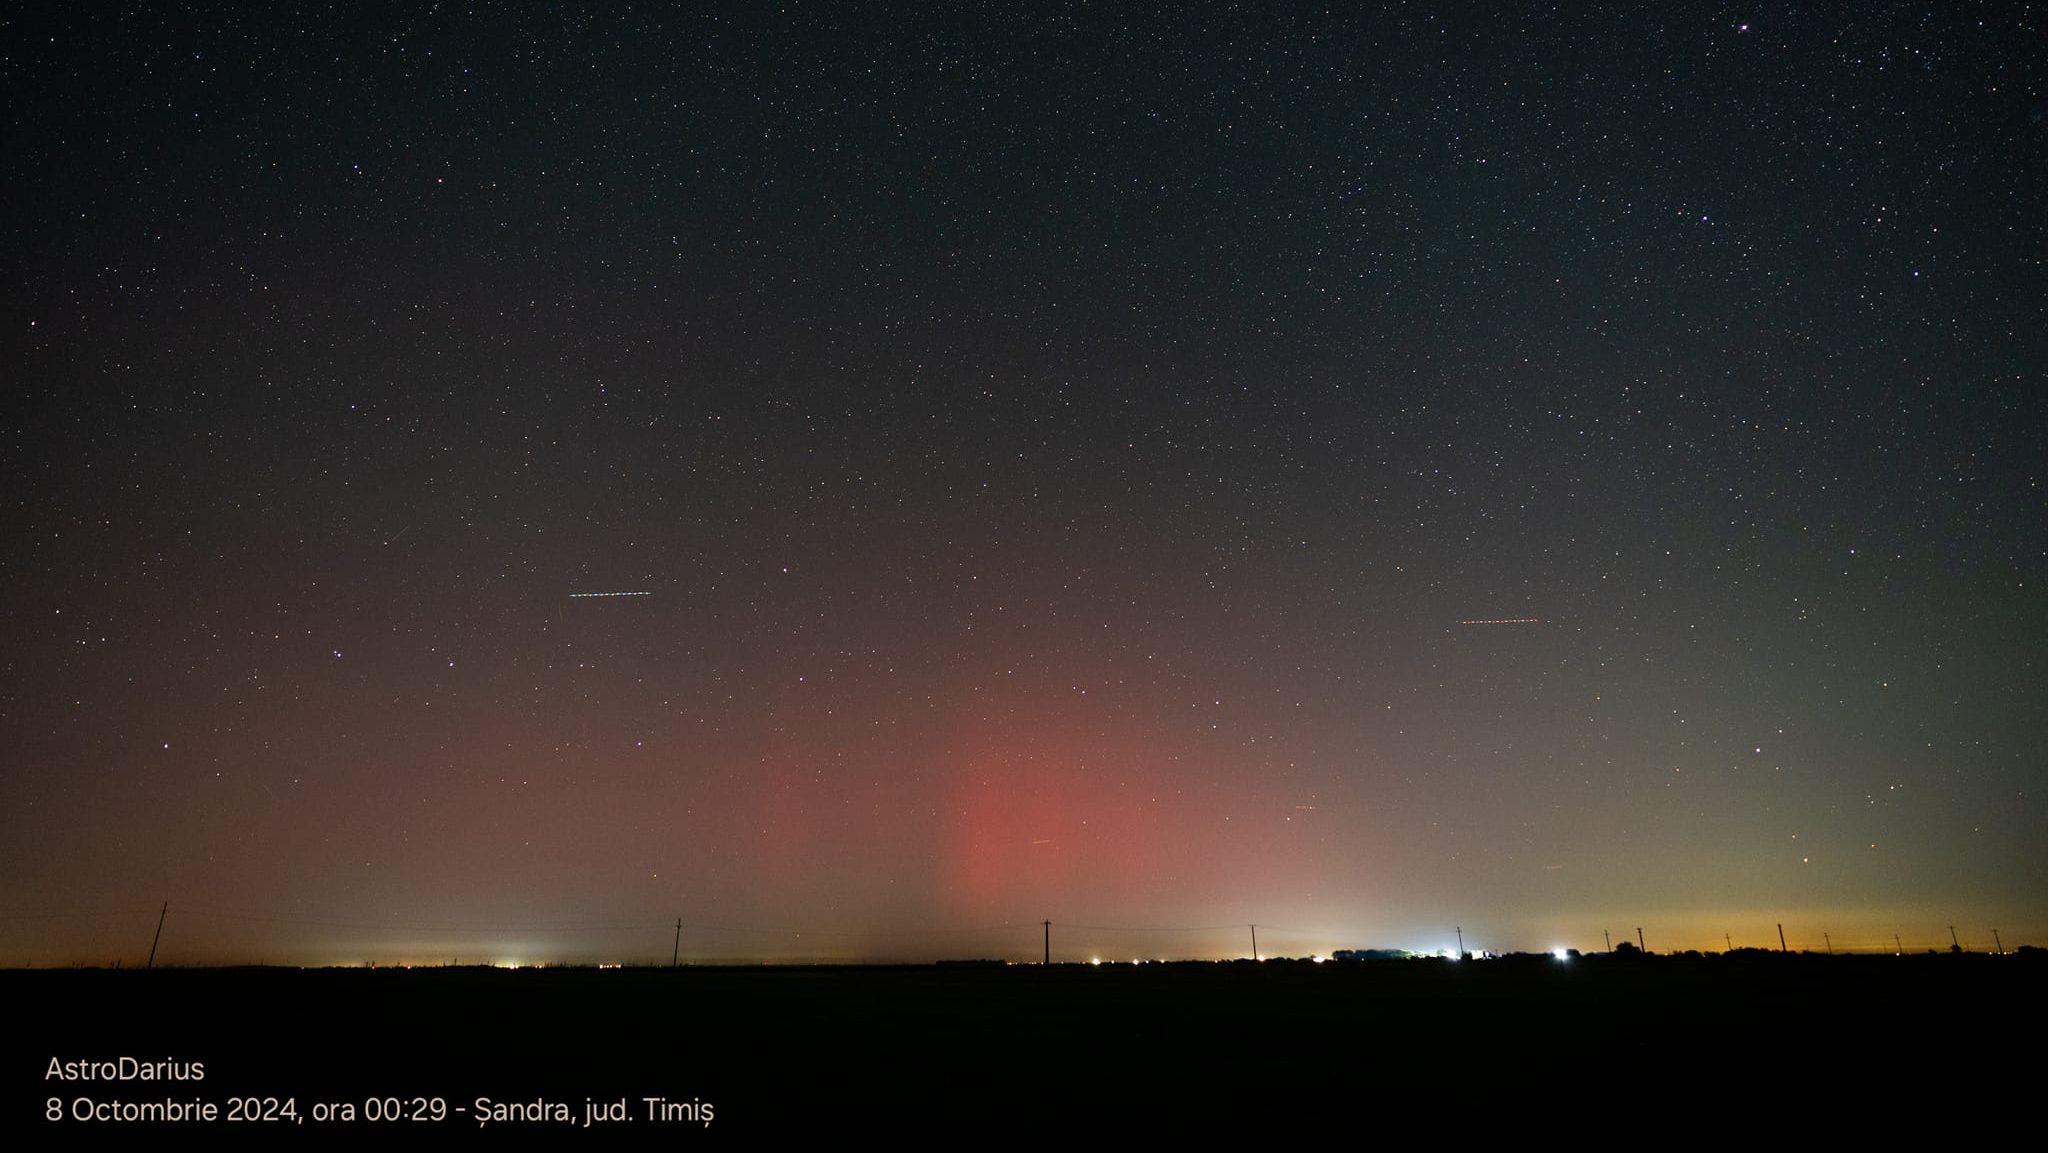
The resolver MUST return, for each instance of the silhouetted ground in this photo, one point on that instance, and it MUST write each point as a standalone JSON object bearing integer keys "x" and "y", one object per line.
{"x": 1600, "y": 1049}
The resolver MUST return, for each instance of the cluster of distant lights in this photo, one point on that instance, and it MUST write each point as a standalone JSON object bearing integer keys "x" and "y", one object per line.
{"x": 1561, "y": 953}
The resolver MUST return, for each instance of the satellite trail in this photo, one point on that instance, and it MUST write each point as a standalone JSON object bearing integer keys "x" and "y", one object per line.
{"x": 587, "y": 596}
{"x": 1507, "y": 621}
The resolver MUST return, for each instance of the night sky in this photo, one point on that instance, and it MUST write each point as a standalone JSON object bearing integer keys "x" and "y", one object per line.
{"x": 1063, "y": 457}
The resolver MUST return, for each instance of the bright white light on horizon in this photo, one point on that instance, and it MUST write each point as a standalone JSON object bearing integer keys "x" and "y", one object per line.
{"x": 1560, "y": 953}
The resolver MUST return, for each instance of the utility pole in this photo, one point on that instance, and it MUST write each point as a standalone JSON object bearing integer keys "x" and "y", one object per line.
{"x": 1952, "y": 939}
{"x": 1048, "y": 941}
{"x": 1730, "y": 940}
{"x": 1461, "y": 942}
{"x": 1781, "y": 938}
{"x": 1255, "y": 942}
{"x": 676, "y": 953}
{"x": 1830, "y": 940}
{"x": 1901, "y": 944}
{"x": 1639, "y": 940}
{"x": 159, "y": 934}
{"x": 1608, "y": 939}
{"x": 1999, "y": 941}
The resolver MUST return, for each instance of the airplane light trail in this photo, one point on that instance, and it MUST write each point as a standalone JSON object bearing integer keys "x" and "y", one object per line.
{"x": 586, "y": 596}
{"x": 1507, "y": 621}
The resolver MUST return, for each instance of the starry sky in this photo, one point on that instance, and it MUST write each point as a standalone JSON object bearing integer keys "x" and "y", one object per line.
{"x": 1059, "y": 452}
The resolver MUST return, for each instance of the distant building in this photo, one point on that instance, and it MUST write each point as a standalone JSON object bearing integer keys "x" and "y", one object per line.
{"x": 1371, "y": 955}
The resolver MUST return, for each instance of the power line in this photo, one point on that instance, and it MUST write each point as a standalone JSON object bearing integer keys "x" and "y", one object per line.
{"x": 1152, "y": 928}
{"x": 591, "y": 926}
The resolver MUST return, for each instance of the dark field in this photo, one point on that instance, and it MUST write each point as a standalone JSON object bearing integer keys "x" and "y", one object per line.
{"x": 1596, "y": 1050}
